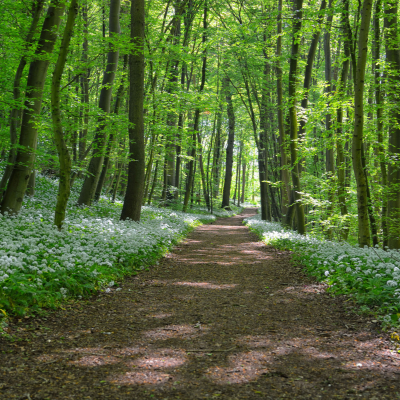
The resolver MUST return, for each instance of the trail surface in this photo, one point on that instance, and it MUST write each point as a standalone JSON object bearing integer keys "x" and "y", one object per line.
{"x": 223, "y": 316}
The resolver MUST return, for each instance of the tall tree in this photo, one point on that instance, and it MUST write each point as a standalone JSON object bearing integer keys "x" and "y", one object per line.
{"x": 62, "y": 148}
{"x": 393, "y": 59}
{"x": 18, "y": 182}
{"x": 364, "y": 233}
{"x": 90, "y": 183}
{"x": 134, "y": 192}
{"x": 295, "y": 54}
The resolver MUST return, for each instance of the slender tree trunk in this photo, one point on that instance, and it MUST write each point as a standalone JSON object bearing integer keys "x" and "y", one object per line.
{"x": 84, "y": 87}
{"x": 153, "y": 186}
{"x": 364, "y": 234}
{"x": 197, "y": 113}
{"x": 309, "y": 66}
{"x": 15, "y": 111}
{"x": 329, "y": 152}
{"x": 62, "y": 148}
{"x": 293, "y": 116}
{"x": 379, "y": 117}
{"x": 90, "y": 183}
{"x": 341, "y": 161}
{"x": 226, "y": 193}
{"x": 281, "y": 125}
{"x": 243, "y": 182}
{"x": 18, "y": 182}
{"x": 393, "y": 176}
{"x": 111, "y": 139}
{"x": 203, "y": 175}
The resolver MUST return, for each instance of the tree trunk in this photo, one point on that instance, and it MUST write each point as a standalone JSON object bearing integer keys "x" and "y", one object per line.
{"x": 18, "y": 182}
{"x": 197, "y": 114}
{"x": 94, "y": 169}
{"x": 226, "y": 193}
{"x": 134, "y": 193}
{"x": 15, "y": 111}
{"x": 329, "y": 152}
{"x": 293, "y": 116}
{"x": 364, "y": 235}
{"x": 379, "y": 116}
{"x": 281, "y": 125}
{"x": 62, "y": 148}
{"x": 111, "y": 139}
{"x": 153, "y": 186}
{"x": 393, "y": 177}
{"x": 341, "y": 162}
{"x": 243, "y": 182}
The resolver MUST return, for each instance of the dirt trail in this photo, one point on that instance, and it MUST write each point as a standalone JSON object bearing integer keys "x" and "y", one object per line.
{"x": 223, "y": 316}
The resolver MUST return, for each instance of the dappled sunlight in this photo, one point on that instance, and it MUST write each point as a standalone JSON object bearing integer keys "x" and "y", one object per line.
{"x": 141, "y": 378}
{"x": 95, "y": 361}
{"x": 206, "y": 285}
{"x": 176, "y": 331}
{"x": 160, "y": 315}
{"x": 86, "y": 350}
{"x": 242, "y": 368}
{"x": 160, "y": 359}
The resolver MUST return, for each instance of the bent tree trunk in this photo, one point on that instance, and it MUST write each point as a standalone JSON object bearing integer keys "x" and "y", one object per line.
{"x": 90, "y": 183}
{"x": 15, "y": 192}
{"x": 62, "y": 148}
{"x": 134, "y": 192}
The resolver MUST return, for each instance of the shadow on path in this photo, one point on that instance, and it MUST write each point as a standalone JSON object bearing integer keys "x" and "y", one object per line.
{"x": 223, "y": 316}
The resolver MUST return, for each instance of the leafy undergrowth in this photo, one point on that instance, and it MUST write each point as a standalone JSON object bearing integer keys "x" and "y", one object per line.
{"x": 41, "y": 267}
{"x": 370, "y": 275}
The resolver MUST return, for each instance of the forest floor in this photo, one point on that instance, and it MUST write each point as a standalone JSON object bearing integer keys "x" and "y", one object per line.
{"x": 222, "y": 316}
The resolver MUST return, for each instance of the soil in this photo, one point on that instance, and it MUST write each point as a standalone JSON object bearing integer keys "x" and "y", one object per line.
{"x": 222, "y": 316}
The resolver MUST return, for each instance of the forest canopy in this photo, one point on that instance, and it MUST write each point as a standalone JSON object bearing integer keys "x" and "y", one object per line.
{"x": 290, "y": 103}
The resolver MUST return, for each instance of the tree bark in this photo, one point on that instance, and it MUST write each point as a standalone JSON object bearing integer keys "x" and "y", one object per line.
{"x": 111, "y": 139}
{"x": 226, "y": 193}
{"x": 62, "y": 148}
{"x": 134, "y": 192}
{"x": 15, "y": 192}
{"x": 393, "y": 177}
{"x": 281, "y": 125}
{"x": 293, "y": 116}
{"x": 94, "y": 169}
{"x": 379, "y": 117}
{"x": 364, "y": 233}
{"x": 15, "y": 111}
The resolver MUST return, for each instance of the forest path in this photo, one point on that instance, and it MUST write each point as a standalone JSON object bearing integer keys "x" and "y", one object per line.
{"x": 223, "y": 316}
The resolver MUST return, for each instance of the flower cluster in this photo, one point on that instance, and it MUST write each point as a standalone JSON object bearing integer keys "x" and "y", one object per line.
{"x": 371, "y": 275}
{"x": 40, "y": 265}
